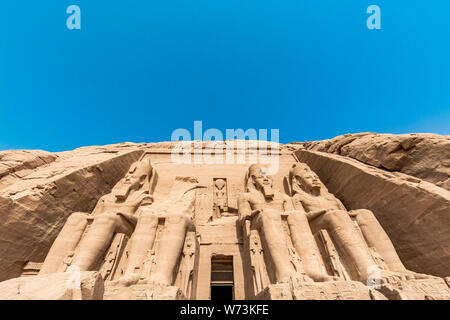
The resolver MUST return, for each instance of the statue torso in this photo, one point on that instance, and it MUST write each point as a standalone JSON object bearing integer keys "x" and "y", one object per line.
{"x": 312, "y": 203}
{"x": 258, "y": 201}
{"x": 109, "y": 204}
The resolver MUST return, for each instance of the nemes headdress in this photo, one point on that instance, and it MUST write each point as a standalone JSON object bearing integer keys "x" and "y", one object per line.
{"x": 253, "y": 170}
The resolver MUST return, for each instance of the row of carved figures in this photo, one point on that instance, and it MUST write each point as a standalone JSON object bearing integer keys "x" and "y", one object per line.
{"x": 308, "y": 235}
{"x": 280, "y": 231}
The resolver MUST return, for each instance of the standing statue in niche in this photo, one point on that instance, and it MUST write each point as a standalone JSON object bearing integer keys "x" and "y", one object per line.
{"x": 257, "y": 263}
{"x": 324, "y": 211}
{"x": 114, "y": 213}
{"x": 187, "y": 270}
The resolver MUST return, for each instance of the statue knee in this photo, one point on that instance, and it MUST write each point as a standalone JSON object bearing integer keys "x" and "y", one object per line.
{"x": 364, "y": 216}
{"x": 148, "y": 218}
{"x": 76, "y": 218}
{"x": 106, "y": 219}
{"x": 269, "y": 215}
{"x": 298, "y": 218}
{"x": 177, "y": 219}
{"x": 335, "y": 218}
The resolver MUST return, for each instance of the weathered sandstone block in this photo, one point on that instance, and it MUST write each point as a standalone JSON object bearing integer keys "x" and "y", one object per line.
{"x": 58, "y": 286}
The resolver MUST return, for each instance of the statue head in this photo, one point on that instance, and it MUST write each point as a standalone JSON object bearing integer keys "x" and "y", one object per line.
{"x": 138, "y": 175}
{"x": 301, "y": 177}
{"x": 257, "y": 179}
{"x": 220, "y": 183}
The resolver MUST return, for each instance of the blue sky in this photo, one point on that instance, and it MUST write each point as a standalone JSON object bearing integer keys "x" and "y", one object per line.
{"x": 137, "y": 70}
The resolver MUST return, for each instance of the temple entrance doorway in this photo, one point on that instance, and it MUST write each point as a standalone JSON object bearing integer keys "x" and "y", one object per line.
{"x": 222, "y": 279}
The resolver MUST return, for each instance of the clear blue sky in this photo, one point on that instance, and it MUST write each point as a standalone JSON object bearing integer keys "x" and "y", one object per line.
{"x": 137, "y": 70}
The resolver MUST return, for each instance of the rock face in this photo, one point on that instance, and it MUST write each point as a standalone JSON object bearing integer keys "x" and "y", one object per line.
{"x": 151, "y": 221}
{"x": 58, "y": 286}
{"x": 45, "y": 189}
{"x": 425, "y": 156}
{"x": 16, "y": 164}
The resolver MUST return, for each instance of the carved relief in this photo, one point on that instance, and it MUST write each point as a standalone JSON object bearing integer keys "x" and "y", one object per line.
{"x": 299, "y": 244}
{"x": 220, "y": 197}
{"x": 186, "y": 273}
{"x": 257, "y": 263}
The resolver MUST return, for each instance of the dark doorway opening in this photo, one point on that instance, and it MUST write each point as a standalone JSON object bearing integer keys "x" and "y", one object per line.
{"x": 221, "y": 292}
{"x": 222, "y": 279}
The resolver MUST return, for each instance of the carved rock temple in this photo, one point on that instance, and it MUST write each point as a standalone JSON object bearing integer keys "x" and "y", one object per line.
{"x": 320, "y": 221}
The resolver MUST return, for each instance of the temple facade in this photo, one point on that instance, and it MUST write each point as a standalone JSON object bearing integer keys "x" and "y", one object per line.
{"x": 235, "y": 231}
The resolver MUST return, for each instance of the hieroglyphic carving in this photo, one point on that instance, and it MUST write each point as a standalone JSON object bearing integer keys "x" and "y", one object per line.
{"x": 331, "y": 290}
{"x": 417, "y": 289}
{"x": 203, "y": 206}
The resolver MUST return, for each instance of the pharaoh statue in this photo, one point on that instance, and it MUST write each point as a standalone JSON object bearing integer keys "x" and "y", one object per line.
{"x": 114, "y": 213}
{"x": 324, "y": 211}
{"x": 263, "y": 207}
{"x": 176, "y": 213}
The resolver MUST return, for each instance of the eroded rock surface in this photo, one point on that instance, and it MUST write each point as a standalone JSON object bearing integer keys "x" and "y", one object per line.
{"x": 34, "y": 207}
{"x": 58, "y": 286}
{"x": 425, "y": 156}
{"x": 321, "y": 226}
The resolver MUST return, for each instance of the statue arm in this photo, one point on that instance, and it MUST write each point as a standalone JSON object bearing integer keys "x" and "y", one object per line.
{"x": 311, "y": 215}
{"x": 287, "y": 204}
{"x": 314, "y": 214}
{"x": 244, "y": 208}
{"x": 100, "y": 206}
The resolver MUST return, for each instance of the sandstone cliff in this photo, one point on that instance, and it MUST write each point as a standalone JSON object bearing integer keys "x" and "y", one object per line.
{"x": 39, "y": 190}
{"x": 425, "y": 156}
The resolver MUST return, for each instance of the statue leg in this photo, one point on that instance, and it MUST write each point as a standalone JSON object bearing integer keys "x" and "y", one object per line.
{"x": 99, "y": 238}
{"x": 306, "y": 247}
{"x": 141, "y": 241}
{"x": 66, "y": 241}
{"x": 350, "y": 243}
{"x": 376, "y": 237}
{"x": 170, "y": 248}
{"x": 272, "y": 229}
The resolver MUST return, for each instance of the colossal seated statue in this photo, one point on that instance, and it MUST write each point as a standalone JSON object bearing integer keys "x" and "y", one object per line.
{"x": 263, "y": 207}
{"x": 176, "y": 212}
{"x": 324, "y": 211}
{"x": 114, "y": 213}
